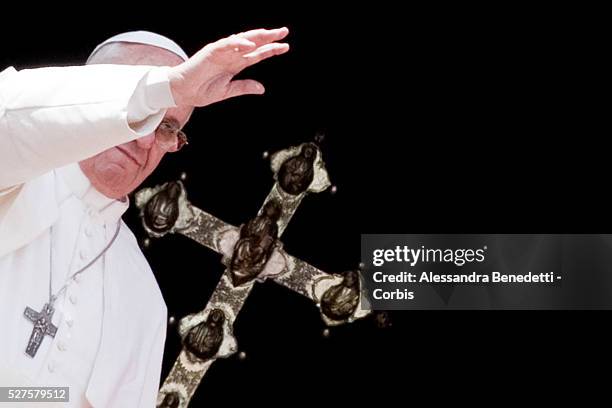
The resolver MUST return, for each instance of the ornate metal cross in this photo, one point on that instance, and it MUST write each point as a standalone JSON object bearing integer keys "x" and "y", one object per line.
{"x": 43, "y": 326}
{"x": 251, "y": 253}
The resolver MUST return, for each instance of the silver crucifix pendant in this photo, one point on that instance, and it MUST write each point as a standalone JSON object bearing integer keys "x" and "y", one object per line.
{"x": 43, "y": 326}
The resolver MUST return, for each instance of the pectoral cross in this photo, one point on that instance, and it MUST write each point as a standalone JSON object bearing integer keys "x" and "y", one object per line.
{"x": 43, "y": 326}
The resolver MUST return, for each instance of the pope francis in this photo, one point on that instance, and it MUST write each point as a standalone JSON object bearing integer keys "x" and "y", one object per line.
{"x": 79, "y": 305}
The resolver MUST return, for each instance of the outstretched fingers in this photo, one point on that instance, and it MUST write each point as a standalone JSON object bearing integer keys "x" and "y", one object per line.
{"x": 244, "y": 87}
{"x": 234, "y": 44}
{"x": 262, "y": 37}
{"x": 265, "y": 51}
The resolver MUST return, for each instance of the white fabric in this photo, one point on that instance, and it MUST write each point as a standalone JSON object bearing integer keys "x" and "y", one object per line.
{"x": 112, "y": 322}
{"x": 146, "y": 38}
{"x": 51, "y": 117}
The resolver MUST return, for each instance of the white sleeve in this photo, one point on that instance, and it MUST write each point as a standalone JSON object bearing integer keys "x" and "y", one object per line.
{"x": 50, "y": 117}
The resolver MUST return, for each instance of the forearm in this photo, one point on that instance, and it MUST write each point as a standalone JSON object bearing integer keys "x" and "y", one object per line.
{"x": 50, "y": 117}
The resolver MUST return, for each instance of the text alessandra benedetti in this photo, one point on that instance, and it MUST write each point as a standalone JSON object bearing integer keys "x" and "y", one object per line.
{"x": 493, "y": 277}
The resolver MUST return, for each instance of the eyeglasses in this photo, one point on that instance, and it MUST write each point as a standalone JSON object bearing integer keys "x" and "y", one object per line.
{"x": 169, "y": 136}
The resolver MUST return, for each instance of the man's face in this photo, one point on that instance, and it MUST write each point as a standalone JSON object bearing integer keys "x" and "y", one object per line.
{"x": 119, "y": 170}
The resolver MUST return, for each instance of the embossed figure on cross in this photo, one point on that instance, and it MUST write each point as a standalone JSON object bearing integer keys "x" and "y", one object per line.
{"x": 43, "y": 326}
{"x": 297, "y": 172}
{"x": 255, "y": 245}
{"x": 251, "y": 253}
{"x": 161, "y": 211}
{"x": 204, "y": 340}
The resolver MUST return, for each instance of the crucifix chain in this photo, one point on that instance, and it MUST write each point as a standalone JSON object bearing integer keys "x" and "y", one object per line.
{"x": 43, "y": 320}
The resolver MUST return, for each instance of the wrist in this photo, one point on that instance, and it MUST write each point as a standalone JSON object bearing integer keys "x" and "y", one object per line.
{"x": 176, "y": 81}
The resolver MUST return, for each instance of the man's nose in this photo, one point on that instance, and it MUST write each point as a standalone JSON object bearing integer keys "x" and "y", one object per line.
{"x": 146, "y": 142}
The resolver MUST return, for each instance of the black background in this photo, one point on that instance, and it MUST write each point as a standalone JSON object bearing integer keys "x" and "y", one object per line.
{"x": 437, "y": 119}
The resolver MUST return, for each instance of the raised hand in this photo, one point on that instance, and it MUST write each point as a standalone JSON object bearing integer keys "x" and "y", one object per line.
{"x": 208, "y": 76}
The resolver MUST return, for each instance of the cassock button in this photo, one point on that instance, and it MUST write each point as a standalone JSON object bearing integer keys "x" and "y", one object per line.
{"x": 88, "y": 231}
{"x": 82, "y": 254}
{"x": 51, "y": 366}
{"x": 61, "y": 346}
{"x": 69, "y": 322}
{"x": 73, "y": 299}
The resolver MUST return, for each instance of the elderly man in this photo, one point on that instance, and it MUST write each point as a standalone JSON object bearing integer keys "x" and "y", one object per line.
{"x": 79, "y": 305}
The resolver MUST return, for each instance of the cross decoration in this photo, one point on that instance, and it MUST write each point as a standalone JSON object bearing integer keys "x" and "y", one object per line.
{"x": 251, "y": 252}
{"x": 43, "y": 326}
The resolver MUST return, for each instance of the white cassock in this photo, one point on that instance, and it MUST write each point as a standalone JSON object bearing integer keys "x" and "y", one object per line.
{"x": 112, "y": 320}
